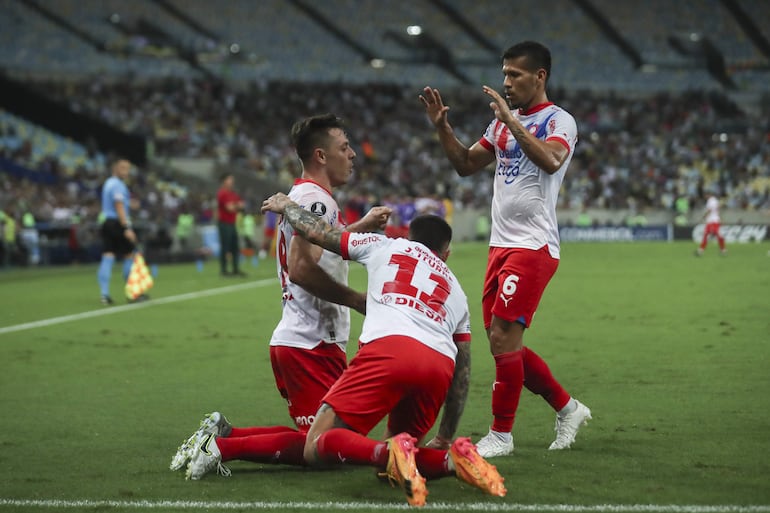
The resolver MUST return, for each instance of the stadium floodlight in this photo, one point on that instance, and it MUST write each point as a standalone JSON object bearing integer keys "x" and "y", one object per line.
{"x": 414, "y": 30}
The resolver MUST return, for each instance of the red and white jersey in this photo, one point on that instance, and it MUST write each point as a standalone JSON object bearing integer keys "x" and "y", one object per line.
{"x": 411, "y": 292}
{"x": 307, "y": 320}
{"x": 712, "y": 210}
{"x": 524, "y": 201}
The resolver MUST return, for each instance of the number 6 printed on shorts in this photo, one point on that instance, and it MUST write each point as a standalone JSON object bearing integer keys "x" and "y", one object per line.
{"x": 509, "y": 288}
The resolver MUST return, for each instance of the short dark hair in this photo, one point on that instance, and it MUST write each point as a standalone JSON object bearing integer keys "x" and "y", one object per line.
{"x": 537, "y": 54}
{"x": 313, "y": 132}
{"x": 115, "y": 160}
{"x": 432, "y": 231}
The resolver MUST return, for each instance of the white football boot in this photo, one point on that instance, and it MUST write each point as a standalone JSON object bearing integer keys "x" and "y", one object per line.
{"x": 568, "y": 426}
{"x": 213, "y": 423}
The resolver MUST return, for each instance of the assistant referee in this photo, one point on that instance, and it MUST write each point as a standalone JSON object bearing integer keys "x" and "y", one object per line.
{"x": 118, "y": 237}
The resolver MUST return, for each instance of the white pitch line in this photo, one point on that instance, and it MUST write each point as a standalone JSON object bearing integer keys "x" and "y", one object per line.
{"x": 135, "y": 306}
{"x": 355, "y": 506}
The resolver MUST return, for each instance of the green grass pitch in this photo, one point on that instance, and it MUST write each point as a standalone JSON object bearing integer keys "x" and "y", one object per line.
{"x": 670, "y": 352}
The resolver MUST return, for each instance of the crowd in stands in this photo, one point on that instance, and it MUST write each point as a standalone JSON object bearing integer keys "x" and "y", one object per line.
{"x": 642, "y": 152}
{"x": 639, "y": 150}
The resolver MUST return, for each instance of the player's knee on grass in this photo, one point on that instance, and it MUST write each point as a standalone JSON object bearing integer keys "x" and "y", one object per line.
{"x": 325, "y": 420}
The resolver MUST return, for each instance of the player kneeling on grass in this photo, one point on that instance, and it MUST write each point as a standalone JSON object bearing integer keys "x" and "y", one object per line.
{"x": 406, "y": 373}
{"x": 414, "y": 358}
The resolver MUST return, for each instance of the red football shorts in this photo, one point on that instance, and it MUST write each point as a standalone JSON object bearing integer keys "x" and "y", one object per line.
{"x": 303, "y": 376}
{"x": 515, "y": 281}
{"x": 394, "y": 375}
{"x": 712, "y": 229}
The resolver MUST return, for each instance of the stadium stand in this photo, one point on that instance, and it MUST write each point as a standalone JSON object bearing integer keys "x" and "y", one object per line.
{"x": 656, "y": 122}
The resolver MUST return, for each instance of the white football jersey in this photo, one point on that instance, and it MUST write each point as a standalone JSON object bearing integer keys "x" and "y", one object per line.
{"x": 712, "y": 209}
{"x": 411, "y": 292}
{"x": 306, "y": 320}
{"x": 524, "y": 201}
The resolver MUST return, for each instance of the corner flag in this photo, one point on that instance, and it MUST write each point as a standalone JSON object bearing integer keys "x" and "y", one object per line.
{"x": 139, "y": 278}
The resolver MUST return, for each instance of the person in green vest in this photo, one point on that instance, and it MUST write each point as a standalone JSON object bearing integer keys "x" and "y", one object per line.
{"x": 248, "y": 229}
{"x": 682, "y": 209}
{"x": 3, "y": 251}
{"x": 482, "y": 227}
{"x": 682, "y": 205}
{"x": 636, "y": 219}
{"x": 28, "y": 220}
{"x": 9, "y": 238}
{"x": 185, "y": 224}
{"x": 583, "y": 218}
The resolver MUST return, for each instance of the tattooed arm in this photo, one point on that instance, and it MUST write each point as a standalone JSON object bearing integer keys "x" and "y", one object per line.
{"x": 455, "y": 399}
{"x": 303, "y": 256}
{"x": 308, "y": 225}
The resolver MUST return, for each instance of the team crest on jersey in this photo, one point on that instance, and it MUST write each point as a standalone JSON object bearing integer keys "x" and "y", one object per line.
{"x": 533, "y": 128}
{"x": 318, "y": 208}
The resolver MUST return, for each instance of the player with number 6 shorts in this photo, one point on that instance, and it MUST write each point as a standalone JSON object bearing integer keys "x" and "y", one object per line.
{"x": 532, "y": 141}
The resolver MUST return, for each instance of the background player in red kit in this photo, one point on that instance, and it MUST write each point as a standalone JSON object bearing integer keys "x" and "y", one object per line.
{"x": 532, "y": 141}
{"x": 229, "y": 203}
{"x": 713, "y": 223}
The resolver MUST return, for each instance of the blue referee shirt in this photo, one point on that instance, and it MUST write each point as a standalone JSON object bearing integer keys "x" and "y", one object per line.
{"x": 114, "y": 190}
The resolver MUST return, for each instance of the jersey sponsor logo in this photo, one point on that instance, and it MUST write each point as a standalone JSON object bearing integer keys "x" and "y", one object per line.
{"x": 318, "y": 208}
{"x": 515, "y": 153}
{"x": 510, "y": 172}
{"x": 361, "y": 242}
{"x": 416, "y": 305}
{"x": 510, "y": 169}
{"x": 506, "y": 300}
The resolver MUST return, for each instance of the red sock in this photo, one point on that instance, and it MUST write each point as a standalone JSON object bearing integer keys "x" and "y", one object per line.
{"x": 433, "y": 463}
{"x": 539, "y": 380}
{"x": 258, "y": 430}
{"x": 286, "y": 447}
{"x": 509, "y": 380}
{"x": 345, "y": 446}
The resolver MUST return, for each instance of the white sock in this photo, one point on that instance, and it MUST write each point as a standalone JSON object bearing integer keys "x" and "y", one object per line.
{"x": 569, "y": 408}
{"x": 503, "y": 437}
